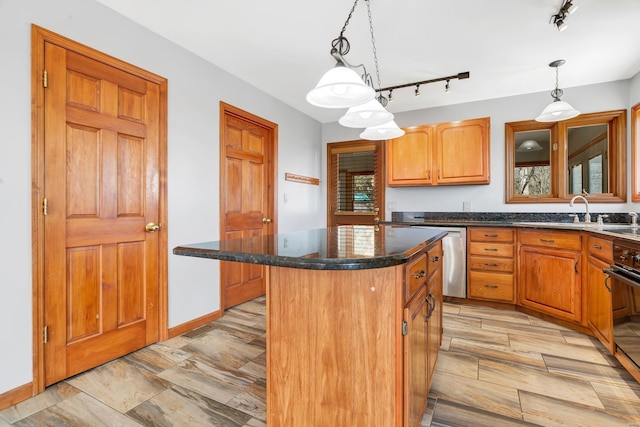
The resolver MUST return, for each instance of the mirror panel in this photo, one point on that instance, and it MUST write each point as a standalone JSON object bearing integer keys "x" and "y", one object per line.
{"x": 635, "y": 153}
{"x": 532, "y": 172}
{"x": 588, "y": 153}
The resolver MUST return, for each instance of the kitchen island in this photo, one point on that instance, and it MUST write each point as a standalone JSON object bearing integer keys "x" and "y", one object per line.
{"x": 354, "y": 321}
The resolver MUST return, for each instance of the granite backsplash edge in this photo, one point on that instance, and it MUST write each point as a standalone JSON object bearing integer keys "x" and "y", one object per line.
{"x": 501, "y": 217}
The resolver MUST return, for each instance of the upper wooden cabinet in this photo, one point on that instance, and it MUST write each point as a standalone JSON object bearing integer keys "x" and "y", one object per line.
{"x": 440, "y": 154}
{"x": 462, "y": 152}
{"x": 410, "y": 158}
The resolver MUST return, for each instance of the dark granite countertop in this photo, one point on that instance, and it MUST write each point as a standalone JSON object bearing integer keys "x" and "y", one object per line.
{"x": 339, "y": 248}
{"x": 616, "y": 225}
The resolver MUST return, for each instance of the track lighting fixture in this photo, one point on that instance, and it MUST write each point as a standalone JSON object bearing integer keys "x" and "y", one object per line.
{"x": 343, "y": 87}
{"x": 558, "y": 110}
{"x": 560, "y": 18}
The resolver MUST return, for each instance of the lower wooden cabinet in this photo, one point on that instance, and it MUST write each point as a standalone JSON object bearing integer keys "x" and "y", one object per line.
{"x": 550, "y": 277}
{"x": 490, "y": 264}
{"x": 352, "y": 347}
{"x": 423, "y": 332}
{"x": 416, "y": 357}
{"x": 599, "y": 311}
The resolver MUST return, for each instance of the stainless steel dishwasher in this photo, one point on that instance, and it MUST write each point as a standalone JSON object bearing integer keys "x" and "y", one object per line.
{"x": 454, "y": 262}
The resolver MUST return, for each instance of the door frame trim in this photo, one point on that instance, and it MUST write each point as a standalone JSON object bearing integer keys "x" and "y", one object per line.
{"x": 40, "y": 36}
{"x": 228, "y": 109}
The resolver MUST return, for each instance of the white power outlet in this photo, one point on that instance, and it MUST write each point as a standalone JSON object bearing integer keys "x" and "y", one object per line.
{"x": 466, "y": 206}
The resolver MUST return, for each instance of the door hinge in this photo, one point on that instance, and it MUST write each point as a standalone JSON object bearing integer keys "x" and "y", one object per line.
{"x": 45, "y": 206}
{"x": 405, "y": 328}
{"x": 45, "y": 335}
{"x": 45, "y": 79}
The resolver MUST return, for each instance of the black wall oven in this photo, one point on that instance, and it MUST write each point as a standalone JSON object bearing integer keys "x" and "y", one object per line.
{"x": 625, "y": 296}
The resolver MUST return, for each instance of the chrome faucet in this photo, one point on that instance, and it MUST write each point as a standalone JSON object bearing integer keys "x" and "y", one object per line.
{"x": 587, "y": 217}
{"x": 634, "y": 219}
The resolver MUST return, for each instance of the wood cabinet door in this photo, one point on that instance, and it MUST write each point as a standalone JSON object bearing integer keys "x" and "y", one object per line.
{"x": 550, "y": 281}
{"x": 410, "y": 158}
{"x": 416, "y": 348}
{"x": 462, "y": 152}
{"x": 599, "y": 311}
{"x": 434, "y": 324}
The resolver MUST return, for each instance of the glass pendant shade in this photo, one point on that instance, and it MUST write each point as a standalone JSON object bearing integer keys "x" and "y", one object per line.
{"x": 529, "y": 145}
{"x": 387, "y": 130}
{"x": 557, "y": 111}
{"x": 371, "y": 113}
{"x": 340, "y": 87}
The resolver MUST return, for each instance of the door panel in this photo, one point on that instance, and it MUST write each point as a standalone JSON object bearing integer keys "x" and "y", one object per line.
{"x": 355, "y": 183}
{"x": 101, "y": 168}
{"x": 248, "y": 147}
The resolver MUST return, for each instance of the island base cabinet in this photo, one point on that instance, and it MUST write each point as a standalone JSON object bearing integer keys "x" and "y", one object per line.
{"x": 334, "y": 347}
{"x": 416, "y": 356}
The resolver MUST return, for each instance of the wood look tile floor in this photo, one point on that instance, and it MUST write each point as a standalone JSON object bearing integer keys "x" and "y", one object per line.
{"x": 495, "y": 368}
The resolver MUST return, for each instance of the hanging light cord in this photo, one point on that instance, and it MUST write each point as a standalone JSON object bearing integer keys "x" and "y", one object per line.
{"x": 340, "y": 46}
{"x": 384, "y": 101}
{"x": 557, "y": 92}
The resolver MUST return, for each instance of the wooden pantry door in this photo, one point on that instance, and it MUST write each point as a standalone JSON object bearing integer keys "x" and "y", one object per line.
{"x": 248, "y": 153}
{"x": 104, "y": 248}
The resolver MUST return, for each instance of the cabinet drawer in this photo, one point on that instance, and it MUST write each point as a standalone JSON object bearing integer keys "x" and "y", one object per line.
{"x": 601, "y": 248}
{"x": 483, "y": 234}
{"x": 491, "y": 264}
{"x": 491, "y": 249}
{"x": 493, "y": 286}
{"x": 434, "y": 258}
{"x": 416, "y": 275}
{"x": 550, "y": 238}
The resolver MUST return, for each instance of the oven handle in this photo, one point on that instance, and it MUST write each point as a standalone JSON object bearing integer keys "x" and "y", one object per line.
{"x": 615, "y": 273}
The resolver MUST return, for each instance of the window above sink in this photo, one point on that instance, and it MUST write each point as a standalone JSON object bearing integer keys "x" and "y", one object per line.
{"x": 552, "y": 162}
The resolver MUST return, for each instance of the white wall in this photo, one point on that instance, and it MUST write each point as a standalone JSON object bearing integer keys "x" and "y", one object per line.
{"x": 195, "y": 89}
{"x": 491, "y": 198}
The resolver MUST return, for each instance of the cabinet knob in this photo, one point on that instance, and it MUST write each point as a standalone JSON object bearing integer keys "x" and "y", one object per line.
{"x": 420, "y": 274}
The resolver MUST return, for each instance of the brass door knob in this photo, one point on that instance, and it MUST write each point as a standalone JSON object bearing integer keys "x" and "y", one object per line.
{"x": 266, "y": 220}
{"x": 152, "y": 227}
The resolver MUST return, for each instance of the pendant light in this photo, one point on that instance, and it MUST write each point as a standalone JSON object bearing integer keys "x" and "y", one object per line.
{"x": 343, "y": 87}
{"x": 387, "y": 130}
{"x": 558, "y": 110}
{"x": 340, "y": 87}
{"x": 369, "y": 114}
{"x": 529, "y": 145}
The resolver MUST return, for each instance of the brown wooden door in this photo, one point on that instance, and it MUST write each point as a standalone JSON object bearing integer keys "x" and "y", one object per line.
{"x": 355, "y": 183}
{"x": 248, "y": 150}
{"x": 101, "y": 183}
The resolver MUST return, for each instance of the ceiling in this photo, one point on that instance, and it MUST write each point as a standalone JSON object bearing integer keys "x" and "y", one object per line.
{"x": 282, "y": 46}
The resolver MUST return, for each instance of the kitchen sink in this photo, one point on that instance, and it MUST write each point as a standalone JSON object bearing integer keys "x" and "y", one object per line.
{"x": 578, "y": 225}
